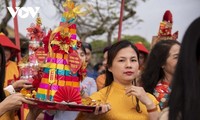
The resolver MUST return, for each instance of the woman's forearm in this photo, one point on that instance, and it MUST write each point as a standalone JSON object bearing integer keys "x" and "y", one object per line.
{"x": 153, "y": 111}
{"x": 153, "y": 115}
{"x": 2, "y": 108}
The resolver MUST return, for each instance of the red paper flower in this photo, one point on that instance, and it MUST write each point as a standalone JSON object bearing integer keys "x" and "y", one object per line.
{"x": 67, "y": 40}
{"x": 71, "y": 50}
{"x": 35, "y": 32}
{"x": 62, "y": 52}
{"x": 55, "y": 48}
{"x": 61, "y": 43}
{"x": 63, "y": 39}
{"x": 46, "y": 41}
{"x": 58, "y": 37}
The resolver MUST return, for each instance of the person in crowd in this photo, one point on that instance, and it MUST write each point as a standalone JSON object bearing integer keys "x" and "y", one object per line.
{"x": 90, "y": 71}
{"x": 10, "y": 50}
{"x": 102, "y": 78}
{"x": 184, "y": 99}
{"x": 121, "y": 99}
{"x": 158, "y": 72}
{"x": 8, "y": 104}
{"x": 143, "y": 54}
{"x": 99, "y": 68}
{"x": 12, "y": 72}
{"x": 88, "y": 84}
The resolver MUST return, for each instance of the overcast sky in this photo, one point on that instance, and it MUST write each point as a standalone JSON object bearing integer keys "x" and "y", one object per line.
{"x": 151, "y": 12}
{"x": 183, "y": 11}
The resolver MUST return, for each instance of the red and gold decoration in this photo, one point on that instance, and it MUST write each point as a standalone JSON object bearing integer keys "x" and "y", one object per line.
{"x": 57, "y": 84}
{"x": 72, "y": 11}
{"x": 67, "y": 94}
{"x": 91, "y": 102}
{"x": 63, "y": 69}
{"x": 29, "y": 65}
{"x": 35, "y": 31}
{"x": 49, "y": 105}
{"x": 165, "y": 29}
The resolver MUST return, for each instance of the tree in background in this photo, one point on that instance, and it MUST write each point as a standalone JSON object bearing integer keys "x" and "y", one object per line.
{"x": 99, "y": 45}
{"x": 136, "y": 39}
{"x": 3, "y": 5}
{"x": 97, "y": 50}
{"x": 104, "y": 18}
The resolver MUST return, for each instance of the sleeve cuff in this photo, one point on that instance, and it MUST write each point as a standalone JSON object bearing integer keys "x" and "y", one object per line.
{"x": 10, "y": 89}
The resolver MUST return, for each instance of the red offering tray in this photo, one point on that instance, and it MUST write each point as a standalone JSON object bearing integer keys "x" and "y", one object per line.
{"x": 49, "y": 105}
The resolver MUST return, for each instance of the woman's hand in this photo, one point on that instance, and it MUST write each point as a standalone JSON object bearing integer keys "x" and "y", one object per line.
{"x": 22, "y": 84}
{"x": 103, "y": 108}
{"x": 143, "y": 97}
{"x": 34, "y": 111}
{"x": 140, "y": 93}
{"x": 14, "y": 102}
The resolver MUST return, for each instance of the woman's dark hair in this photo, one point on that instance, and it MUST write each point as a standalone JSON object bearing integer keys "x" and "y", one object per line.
{"x": 184, "y": 100}
{"x": 83, "y": 49}
{"x": 97, "y": 66}
{"x": 2, "y": 73}
{"x": 106, "y": 49}
{"x": 153, "y": 71}
{"x": 112, "y": 52}
{"x": 87, "y": 45}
